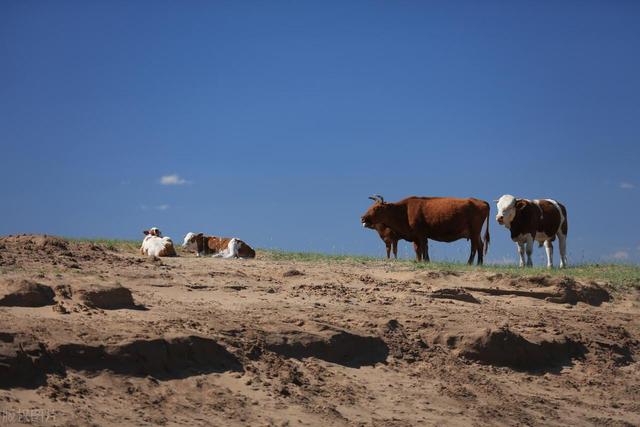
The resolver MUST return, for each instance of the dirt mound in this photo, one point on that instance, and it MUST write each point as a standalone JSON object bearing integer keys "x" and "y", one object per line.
{"x": 503, "y": 347}
{"x": 332, "y": 345}
{"x": 572, "y": 292}
{"x": 150, "y": 356}
{"x": 108, "y": 296}
{"x": 560, "y": 290}
{"x": 35, "y": 241}
{"x": 31, "y": 249}
{"x": 25, "y": 362}
{"x": 455, "y": 294}
{"x": 25, "y": 293}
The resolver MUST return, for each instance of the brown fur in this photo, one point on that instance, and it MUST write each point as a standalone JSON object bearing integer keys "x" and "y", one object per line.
{"x": 389, "y": 238}
{"x": 214, "y": 245}
{"x": 443, "y": 219}
{"x": 543, "y": 218}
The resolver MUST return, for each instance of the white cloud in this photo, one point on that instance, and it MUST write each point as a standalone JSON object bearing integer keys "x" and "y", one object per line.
{"x": 620, "y": 255}
{"x": 159, "y": 207}
{"x": 174, "y": 179}
{"x": 627, "y": 185}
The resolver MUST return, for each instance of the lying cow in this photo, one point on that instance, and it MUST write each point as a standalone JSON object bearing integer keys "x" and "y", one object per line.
{"x": 444, "y": 219}
{"x": 219, "y": 247}
{"x": 387, "y": 235}
{"x": 540, "y": 220}
{"x": 156, "y": 245}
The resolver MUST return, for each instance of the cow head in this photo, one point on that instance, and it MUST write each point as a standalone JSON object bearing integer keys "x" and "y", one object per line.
{"x": 153, "y": 231}
{"x": 506, "y": 210}
{"x": 191, "y": 241}
{"x": 376, "y": 212}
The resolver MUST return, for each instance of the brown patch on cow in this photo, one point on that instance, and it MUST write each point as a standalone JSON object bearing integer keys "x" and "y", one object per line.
{"x": 541, "y": 217}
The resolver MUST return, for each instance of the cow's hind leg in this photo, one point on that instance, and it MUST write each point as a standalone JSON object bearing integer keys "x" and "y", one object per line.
{"x": 388, "y": 245}
{"x": 480, "y": 247}
{"x": 562, "y": 244}
{"x": 474, "y": 249}
{"x": 395, "y": 249}
{"x": 548, "y": 247}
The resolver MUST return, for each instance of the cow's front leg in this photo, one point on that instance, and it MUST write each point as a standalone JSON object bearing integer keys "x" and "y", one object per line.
{"x": 529, "y": 251}
{"x": 521, "y": 253}
{"x": 548, "y": 247}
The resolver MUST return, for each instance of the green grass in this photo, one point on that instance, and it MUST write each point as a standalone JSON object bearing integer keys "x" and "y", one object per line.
{"x": 623, "y": 275}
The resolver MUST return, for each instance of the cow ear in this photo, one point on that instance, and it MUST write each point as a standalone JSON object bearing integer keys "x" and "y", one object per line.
{"x": 520, "y": 204}
{"x": 145, "y": 232}
{"x": 199, "y": 234}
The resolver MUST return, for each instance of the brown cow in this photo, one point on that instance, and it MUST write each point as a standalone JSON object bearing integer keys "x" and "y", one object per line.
{"x": 387, "y": 235}
{"x": 443, "y": 219}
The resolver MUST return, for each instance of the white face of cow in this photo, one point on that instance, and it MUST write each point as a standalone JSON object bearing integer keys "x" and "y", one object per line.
{"x": 189, "y": 241}
{"x": 506, "y": 210}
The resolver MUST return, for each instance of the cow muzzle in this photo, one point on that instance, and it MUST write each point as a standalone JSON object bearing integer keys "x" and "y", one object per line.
{"x": 500, "y": 219}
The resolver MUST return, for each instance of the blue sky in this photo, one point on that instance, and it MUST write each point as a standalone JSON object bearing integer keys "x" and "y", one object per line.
{"x": 280, "y": 118}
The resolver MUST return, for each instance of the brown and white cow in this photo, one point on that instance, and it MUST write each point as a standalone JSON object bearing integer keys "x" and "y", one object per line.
{"x": 219, "y": 247}
{"x": 540, "y": 220}
{"x": 156, "y": 245}
{"x": 444, "y": 219}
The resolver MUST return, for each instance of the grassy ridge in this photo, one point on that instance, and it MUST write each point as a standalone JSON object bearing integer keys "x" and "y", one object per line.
{"x": 616, "y": 274}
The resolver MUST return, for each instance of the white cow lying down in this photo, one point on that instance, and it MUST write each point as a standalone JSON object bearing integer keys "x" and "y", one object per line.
{"x": 156, "y": 245}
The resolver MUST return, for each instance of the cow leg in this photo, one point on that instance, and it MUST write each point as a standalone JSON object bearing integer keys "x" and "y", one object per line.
{"x": 521, "y": 253}
{"x": 529, "y": 251}
{"x": 395, "y": 249}
{"x": 388, "y": 245}
{"x": 418, "y": 249}
{"x": 548, "y": 247}
{"x": 425, "y": 257}
{"x": 473, "y": 252}
{"x": 562, "y": 244}
{"x": 480, "y": 248}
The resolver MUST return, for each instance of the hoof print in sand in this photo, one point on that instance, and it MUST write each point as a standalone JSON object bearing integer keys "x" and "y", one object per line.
{"x": 107, "y": 297}
{"x": 25, "y": 293}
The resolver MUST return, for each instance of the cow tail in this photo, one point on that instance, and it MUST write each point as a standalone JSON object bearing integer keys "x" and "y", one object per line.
{"x": 487, "y": 237}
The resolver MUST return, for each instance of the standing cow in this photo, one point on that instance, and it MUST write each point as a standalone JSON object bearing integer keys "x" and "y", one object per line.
{"x": 444, "y": 219}
{"x": 540, "y": 220}
{"x": 387, "y": 235}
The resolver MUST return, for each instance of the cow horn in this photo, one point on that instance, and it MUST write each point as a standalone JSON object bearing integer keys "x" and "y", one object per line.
{"x": 379, "y": 197}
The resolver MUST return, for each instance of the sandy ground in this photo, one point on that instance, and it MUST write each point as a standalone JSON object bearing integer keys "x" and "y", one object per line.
{"x": 96, "y": 336}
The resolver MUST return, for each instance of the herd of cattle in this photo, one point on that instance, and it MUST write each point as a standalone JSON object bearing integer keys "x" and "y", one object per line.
{"x": 418, "y": 219}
